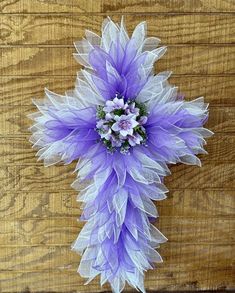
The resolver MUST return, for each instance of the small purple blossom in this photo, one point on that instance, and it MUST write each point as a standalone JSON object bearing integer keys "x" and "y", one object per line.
{"x": 143, "y": 120}
{"x": 132, "y": 109}
{"x": 114, "y": 104}
{"x": 125, "y": 124}
{"x": 135, "y": 139}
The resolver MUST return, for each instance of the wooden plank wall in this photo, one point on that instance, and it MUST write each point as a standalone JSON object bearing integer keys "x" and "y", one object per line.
{"x": 38, "y": 210}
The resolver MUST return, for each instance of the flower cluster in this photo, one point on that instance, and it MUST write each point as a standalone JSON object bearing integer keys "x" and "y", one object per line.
{"x": 121, "y": 124}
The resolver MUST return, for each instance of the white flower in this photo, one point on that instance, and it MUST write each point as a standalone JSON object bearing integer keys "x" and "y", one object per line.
{"x": 124, "y": 124}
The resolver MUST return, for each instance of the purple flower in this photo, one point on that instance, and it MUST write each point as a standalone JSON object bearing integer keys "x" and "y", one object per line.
{"x": 135, "y": 139}
{"x": 143, "y": 120}
{"x": 114, "y": 104}
{"x": 133, "y": 109}
{"x": 119, "y": 107}
{"x": 125, "y": 124}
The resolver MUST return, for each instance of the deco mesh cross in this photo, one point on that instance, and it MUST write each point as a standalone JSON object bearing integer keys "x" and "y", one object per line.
{"x": 124, "y": 125}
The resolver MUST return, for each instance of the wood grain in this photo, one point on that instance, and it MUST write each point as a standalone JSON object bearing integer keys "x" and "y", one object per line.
{"x": 14, "y": 120}
{"x": 184, "y": 267}
{"x": 183, "y": 279}
{"x": 63, "y": 231}
{"x": 46, "y": 258}
{"x": 32, "y": 206}
{"x": 199, "y": 60}
{"x": 65, "y": 29}
{"x": 16, "y": 150}
{"x": 217, "y": 90}
{"x": 38, "y": 207}
{"x": 30, "y": 178}
{"x": 117, "y": 6}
